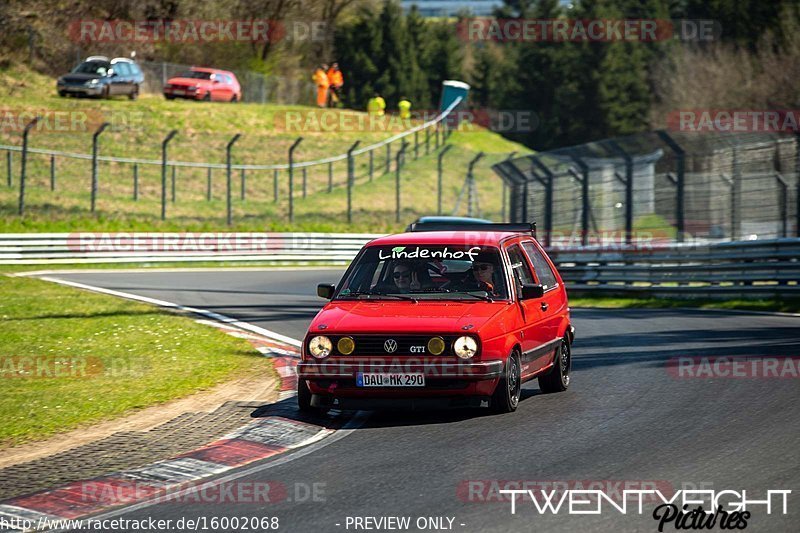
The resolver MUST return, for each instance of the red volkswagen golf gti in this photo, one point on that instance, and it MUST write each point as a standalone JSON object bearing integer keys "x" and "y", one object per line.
{"x": 439, "y": 318}
{"x": 204, "y": 84}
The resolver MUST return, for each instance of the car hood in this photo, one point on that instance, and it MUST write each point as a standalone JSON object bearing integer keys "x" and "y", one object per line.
{"x": 405, "y": 317}
{"x": 188, "y": 82}
{"x": 80, "y": 78}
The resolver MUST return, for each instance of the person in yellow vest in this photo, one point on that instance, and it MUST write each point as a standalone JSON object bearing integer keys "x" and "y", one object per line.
{"x": 404, "y": 107}
{"x": 376, "y": 106}
{"x": 320, "y": 79}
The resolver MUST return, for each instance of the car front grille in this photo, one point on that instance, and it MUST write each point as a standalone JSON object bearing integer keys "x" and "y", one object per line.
{"x": 407, "y": 345}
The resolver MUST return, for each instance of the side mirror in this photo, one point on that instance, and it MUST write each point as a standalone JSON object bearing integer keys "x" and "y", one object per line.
{"x": 531, "y": 292}
{"x": 111, "y": 73}
{"x": 326, "y": 290}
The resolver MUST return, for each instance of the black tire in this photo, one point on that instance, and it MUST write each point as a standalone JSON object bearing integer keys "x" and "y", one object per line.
{"x": 106, "y": 92}
{"x": 135, "y": 93}
{"x": 506, "y": 395}
{"x": 234, "y": 99}
{"x": 62, "y": 93}
{"x": 304, "y": 400}
{"x": 558, "y": 379}
{"x": 207, "y": 97}
{"x": 169, "y": 97}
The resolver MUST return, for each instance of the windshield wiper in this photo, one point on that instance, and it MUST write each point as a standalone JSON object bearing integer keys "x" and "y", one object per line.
{"x": 365, "y": 293}
{"x": 486, "y": 298}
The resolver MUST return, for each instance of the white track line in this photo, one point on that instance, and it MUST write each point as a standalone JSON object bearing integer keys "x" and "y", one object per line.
{"x": 171, "y": 305}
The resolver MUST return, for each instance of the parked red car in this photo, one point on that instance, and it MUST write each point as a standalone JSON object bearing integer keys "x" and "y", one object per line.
{"x": 435, "y": 317}
{"x": 204, "y": 84}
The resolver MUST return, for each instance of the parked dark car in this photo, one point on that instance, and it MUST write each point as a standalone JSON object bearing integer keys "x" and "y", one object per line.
{"x": 100, "y": 77}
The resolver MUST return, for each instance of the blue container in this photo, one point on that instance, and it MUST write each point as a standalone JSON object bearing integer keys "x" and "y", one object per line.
{"x": 451, "y": 91}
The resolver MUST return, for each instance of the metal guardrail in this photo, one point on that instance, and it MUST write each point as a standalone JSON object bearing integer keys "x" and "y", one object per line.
{"x": 748, "y": 269}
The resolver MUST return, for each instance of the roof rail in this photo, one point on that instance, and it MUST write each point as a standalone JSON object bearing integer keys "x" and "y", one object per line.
{"x": 511, "y": 227}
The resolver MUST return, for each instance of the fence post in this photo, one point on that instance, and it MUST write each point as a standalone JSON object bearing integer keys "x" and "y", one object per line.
{"x": 243, "y": 180}
{"x": 427, "y": 141}
{"x": 24, "y": 163}
{"x": 399, "y": 158}
{"x": 548, "y": 201}
{"x": 95, "y": 137}
{"x": 330, "y": 177}
{"x": 135, "y": 182}
{"x": 471, "y": 183}
{"x": 439, "y": 172}
{"x": 164, "y": 143}
{"x": 208, "y": 184}
{"x": 229, "y": 178}
{"x": 438, "y": 127}
{"x": 9, "y": 166}
{"x": 680, "y": 170}
{"x": 350, "y": 179}
{"x": 388, "y": 158}
{"x": 584, "y": 199}
{"x": 371, "y": 163}
{"x": 52, "y": 173}
{"x": 173, "y": 180}
{"x": 275, "y": 175}
{"x": 291, "y": 177}
{"x": 783, "y": 209}
{"x": 305, "y": 181}
{"x": 628, "y": 189}
{"x": 416, "y": 145}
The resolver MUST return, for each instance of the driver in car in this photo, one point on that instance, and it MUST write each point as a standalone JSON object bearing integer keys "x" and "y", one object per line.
{"x": 481, "y": 276}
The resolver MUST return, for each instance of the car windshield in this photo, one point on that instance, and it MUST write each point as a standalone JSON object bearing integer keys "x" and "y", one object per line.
{"x": 93, "y": 67}
{"x": 196, "y": 75}
{"x": 427, "y": 272}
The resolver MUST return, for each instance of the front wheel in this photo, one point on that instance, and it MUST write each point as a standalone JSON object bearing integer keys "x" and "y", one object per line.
{"x": 304, "y": 400}
{"x": 506, "y": 396}
{"x": 134, "y": 93}
{"x": 557, "y": 380}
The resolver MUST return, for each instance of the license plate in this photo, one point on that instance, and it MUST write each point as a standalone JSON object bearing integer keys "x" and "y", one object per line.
{"x": 178, "y": 92}
{"x": 395, "y": 379}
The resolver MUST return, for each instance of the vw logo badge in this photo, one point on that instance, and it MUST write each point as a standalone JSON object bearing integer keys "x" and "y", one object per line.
{"x": 390, "y": 345}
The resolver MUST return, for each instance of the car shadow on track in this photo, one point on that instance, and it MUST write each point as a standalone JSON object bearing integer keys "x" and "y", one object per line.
{"x": 336, "y": 419}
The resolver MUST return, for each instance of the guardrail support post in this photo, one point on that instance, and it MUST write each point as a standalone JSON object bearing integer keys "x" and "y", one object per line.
{"x": 229, "y": 178}
{"x": 439, "y": 173}
{"x": 680, "y": 173}
{"x": 164, "y": 143}
{"x": 24, "y": 163}
{"x": 350, "y": 179}
{"x": 208, "y": 184}
{"x": 371, "y": 163}
{"x": 291, "y": 177}
{"x": 52, "y": 173}
{"x": 9, "y": 166}
{"x": 135, "y": 182}
{"x": 95, "y": 137}
{"x": 548, "y": 201}
{"x": 584, "y": 199}
{"x": 397, "y": 167}
{"x": 275, "y": 176}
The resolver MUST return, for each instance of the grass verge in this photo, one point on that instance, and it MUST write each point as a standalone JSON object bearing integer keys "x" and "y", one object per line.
{"x": 70, "y": 358}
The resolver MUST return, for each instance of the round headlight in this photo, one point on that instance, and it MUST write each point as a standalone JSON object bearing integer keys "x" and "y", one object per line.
{"x": 320, "y": 347}
{"x": 436, "y": 346}
{"x": 346, "y": 345}
{"x": 465, "y": 347}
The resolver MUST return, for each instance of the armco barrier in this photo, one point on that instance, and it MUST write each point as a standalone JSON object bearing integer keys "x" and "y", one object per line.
{"x": 753, "y": 269}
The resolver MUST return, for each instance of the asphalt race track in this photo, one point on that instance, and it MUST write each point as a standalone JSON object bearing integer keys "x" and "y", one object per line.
{"x": 626, "y": 418}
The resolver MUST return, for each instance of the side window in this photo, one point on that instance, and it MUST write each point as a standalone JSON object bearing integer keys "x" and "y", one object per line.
{"x": 122, "y": 69}
{"x": 519, "y": 266}
{"x": 540, "y": 265}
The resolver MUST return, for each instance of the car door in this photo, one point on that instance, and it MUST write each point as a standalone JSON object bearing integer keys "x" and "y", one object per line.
{"x": 552, "y": 304}
{"x": 534, "y": 338}
{"x": 119, "y": 80}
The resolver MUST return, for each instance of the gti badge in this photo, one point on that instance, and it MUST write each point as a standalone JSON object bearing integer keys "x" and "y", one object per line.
{"x": 390, "y": 345}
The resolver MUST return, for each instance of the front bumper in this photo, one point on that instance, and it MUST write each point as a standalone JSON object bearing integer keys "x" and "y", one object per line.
{"x": 183, "y": 93}
{"x": 85, "y": 90}
{"x": 477, "y": 370}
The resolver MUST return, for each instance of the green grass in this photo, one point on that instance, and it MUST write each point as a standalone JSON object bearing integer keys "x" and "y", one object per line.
{"x": 205, "y": 128}
{"x": 118, "y": 356}
{"x": 789, "y": 305}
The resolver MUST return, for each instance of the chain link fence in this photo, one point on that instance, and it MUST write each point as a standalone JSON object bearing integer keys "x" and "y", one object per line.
{"x": 663, "y": 186}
